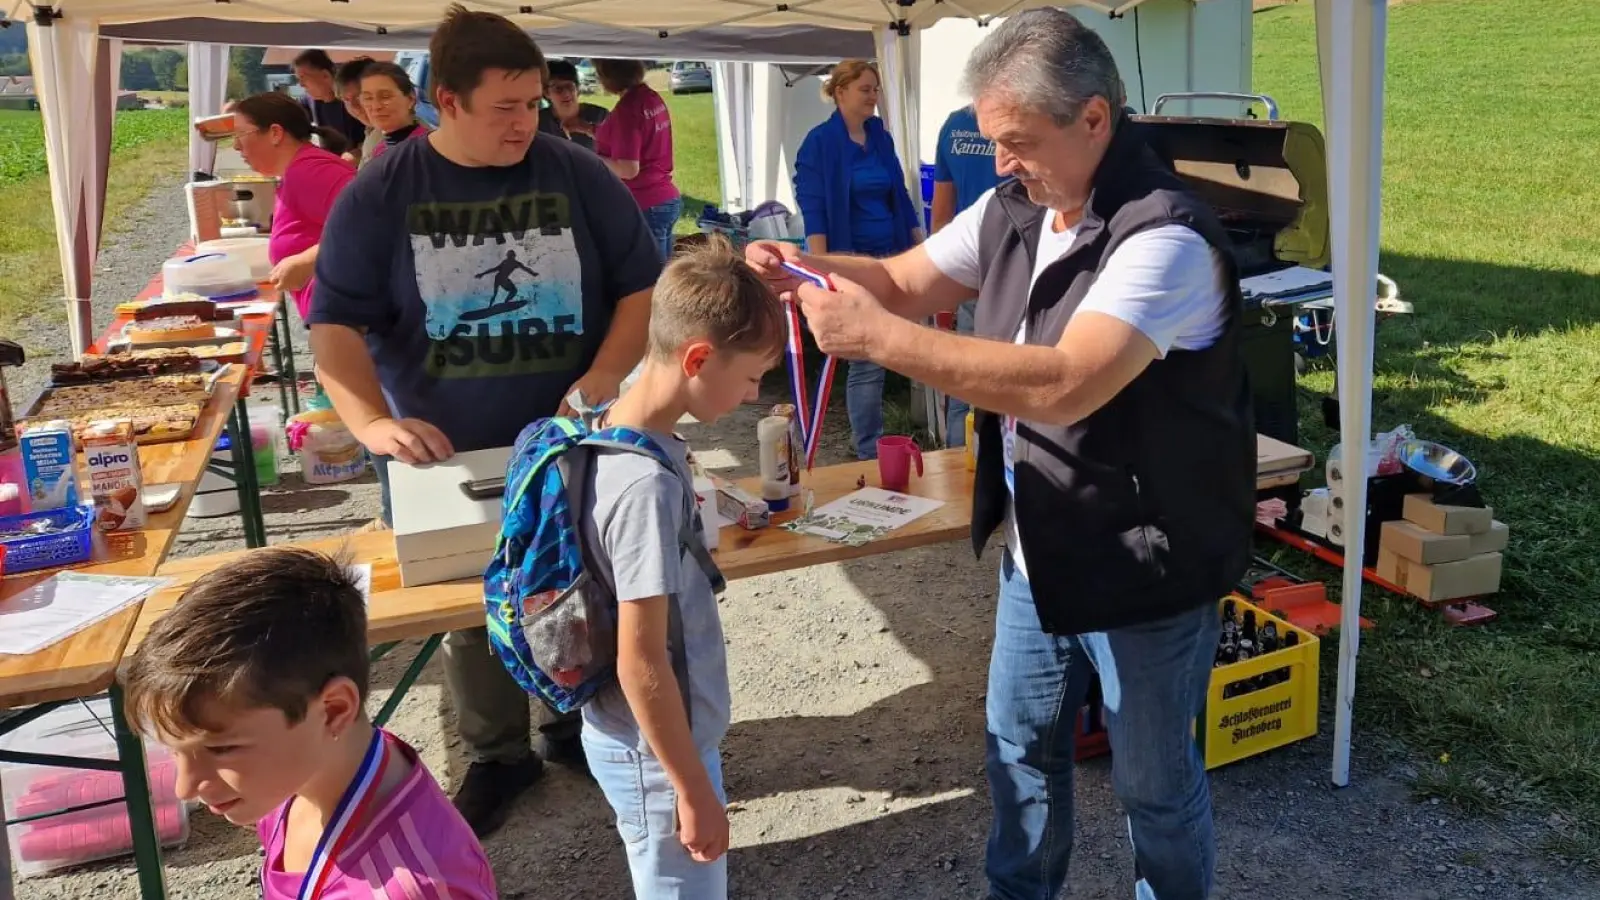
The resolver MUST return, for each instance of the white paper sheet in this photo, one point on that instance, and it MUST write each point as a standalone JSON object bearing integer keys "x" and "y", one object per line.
{"x": 866, "y": 515}
{"x": 63, "y": 605}
{"x": 1284, "y": 282}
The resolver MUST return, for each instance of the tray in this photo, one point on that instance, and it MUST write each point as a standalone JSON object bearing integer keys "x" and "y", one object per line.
{"x": 63, "y": 374}
{"x": 169, "y": 419}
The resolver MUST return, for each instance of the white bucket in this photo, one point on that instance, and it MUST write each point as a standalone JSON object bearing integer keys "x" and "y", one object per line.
{"x": 328, "y": 452}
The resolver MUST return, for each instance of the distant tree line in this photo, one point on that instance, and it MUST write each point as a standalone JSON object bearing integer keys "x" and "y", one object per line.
{"x": 150, "y": 68}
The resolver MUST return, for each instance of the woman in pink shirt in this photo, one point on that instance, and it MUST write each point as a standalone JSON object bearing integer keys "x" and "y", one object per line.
{"x": 390, "y": 101}
{"x": 273, "y": 134}
{"x": 635, "y": 140}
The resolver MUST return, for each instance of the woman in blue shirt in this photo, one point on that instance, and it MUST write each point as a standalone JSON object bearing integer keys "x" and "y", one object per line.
{"x": 852, "y": 194}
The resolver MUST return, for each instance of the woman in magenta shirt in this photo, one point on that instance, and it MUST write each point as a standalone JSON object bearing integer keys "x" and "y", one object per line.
{"x": 273, "y": 134}
{"x": 635, "y": 140}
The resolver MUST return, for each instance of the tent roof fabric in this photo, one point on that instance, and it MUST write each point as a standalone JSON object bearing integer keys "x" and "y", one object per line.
{"x": 779, "y": 44}
{"x": 648, "y": 18}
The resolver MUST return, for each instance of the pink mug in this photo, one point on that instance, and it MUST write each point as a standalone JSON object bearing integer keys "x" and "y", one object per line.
{"x": 895, "y": 454}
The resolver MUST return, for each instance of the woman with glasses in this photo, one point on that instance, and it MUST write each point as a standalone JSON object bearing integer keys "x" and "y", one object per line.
{"x": 567, "y": 116}
{"x": 347, "y": 81}
{"x": 390, "y": 101}
{"x": 852, "y": 194}
{"x": 274, "y": 135}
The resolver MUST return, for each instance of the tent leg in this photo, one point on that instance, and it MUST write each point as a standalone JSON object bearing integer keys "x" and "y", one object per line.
{"x": 80, "y": 325}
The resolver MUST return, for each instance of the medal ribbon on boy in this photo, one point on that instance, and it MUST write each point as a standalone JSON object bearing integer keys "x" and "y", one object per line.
{"x": 356, "y": 801}
{"x": 810, "y": 417}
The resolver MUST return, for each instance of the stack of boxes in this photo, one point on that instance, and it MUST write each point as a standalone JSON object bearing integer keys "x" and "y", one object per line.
{"x": 1442, "y": 553}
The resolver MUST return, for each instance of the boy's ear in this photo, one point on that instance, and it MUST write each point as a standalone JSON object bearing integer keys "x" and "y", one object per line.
{"x": 695, "y": 354}
{"x": 341, "y": 705}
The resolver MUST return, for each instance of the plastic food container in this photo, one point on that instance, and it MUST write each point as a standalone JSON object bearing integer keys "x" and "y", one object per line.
{"x": 215, "y": 276}
{"x": 49, "y": 839}
{"x": 252, "y": 251}
{"x": 328, "y": 452}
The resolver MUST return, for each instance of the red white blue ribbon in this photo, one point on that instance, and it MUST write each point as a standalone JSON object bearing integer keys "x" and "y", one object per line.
{"x": 810, "y": 417}
{"x": 357, "y": 799}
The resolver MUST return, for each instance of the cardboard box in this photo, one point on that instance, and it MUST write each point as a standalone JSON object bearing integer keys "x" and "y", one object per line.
{"x": 1475, "y": 576}
{"x": 1421, "y": 510}
{"x": 1409, "y": 541}
{"x": 1496, "y": 539}
{"x": 738, "y": 507}
{"x": 440, "y": 533}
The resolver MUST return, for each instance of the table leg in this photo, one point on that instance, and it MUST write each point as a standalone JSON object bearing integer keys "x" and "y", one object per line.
{"x": 141, "y": 809}
{"x": 277, "y": 359}
{"x": 7, "y": 889}
{"x": 244, "y": 472}
{"x": 407, "y": 679}
{"x": 287, "y": 367}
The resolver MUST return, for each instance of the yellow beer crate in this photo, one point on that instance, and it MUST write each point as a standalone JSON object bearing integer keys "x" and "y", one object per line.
{"x": 1261, "y": 703}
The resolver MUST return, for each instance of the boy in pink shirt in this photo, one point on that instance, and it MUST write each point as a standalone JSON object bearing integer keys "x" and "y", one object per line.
{"x": 257, "y": 680}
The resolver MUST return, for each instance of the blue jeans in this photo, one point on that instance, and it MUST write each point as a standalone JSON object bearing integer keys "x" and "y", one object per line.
{"x": 662, "y": 218}
{"x": 955, "y": 429}
{"x": 1153, "y": 678}
{"x": 647, "y": 813}
{"x": 863, "y": 400}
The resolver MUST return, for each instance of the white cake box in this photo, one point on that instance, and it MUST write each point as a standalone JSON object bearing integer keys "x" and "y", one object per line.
{"x": 441, "y": 533}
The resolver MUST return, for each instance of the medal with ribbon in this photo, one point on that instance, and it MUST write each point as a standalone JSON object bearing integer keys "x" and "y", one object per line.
{"x": 352, "y": 806}
{"x": 810, "y": 417}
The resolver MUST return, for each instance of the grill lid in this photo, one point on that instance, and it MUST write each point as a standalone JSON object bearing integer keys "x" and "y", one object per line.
{"x": 1264, "y": 178}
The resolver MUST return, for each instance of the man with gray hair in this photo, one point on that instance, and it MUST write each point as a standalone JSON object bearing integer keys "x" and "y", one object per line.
{"x": 1115, "y": 442}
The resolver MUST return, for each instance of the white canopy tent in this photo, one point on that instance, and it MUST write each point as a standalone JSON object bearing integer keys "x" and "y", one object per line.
{"x": 76, "y": 72}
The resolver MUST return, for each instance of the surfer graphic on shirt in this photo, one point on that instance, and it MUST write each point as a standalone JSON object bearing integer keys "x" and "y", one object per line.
{"x": 502, "y": 282}
{"x": 502, "y": 286}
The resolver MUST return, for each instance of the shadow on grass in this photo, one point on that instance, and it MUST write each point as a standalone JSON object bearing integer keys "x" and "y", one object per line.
{"x": 1496, "y": 363}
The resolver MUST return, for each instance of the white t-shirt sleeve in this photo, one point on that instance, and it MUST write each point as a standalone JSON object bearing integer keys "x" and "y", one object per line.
{"x": 954, "y": 248}
{"x": 1166, "y": 283}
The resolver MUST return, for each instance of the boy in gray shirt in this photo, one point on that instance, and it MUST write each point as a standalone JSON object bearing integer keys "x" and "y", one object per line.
{"x": 715, "y": 329}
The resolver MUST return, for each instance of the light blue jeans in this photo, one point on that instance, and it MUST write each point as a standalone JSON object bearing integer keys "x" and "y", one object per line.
{"x": 863, "y": 399}
{"x": 647, "y": 814}
{"x": 1153, "y": 678}
{"x": 956, "y": 408}
{"x": 662, "y": 218}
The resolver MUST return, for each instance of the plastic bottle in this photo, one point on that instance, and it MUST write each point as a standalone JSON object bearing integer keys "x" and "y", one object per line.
{"x": 772, "y": 435}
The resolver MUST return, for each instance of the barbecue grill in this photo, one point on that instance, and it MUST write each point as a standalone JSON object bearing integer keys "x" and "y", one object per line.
{"x": 1267, "y": 181}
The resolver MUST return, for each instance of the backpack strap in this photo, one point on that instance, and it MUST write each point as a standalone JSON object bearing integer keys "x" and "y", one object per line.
{"x": 575, "y": 468}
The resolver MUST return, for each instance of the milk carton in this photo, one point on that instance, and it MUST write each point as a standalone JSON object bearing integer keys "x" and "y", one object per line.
{"x": 50, "y": 464}
{"x": 112, "y": 454}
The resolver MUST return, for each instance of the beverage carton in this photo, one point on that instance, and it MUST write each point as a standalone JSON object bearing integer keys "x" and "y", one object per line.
{"x": 50, "y": 464}
{"x": 749, "y": 513}
{"x": 112, "y": 454}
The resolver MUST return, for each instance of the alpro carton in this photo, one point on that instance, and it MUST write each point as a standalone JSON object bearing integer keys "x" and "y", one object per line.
{"x": 112, "y": 456}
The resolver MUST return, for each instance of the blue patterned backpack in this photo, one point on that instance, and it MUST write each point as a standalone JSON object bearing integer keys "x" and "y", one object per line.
{"x": 552, "y": 614}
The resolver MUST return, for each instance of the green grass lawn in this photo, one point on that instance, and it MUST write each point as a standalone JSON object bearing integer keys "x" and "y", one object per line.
{"x": 1491, "y": 146}
{"x": 147, "y": 145}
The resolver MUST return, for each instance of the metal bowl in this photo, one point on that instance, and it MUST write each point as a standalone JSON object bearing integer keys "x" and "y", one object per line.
{"x": 1437, "y": 462}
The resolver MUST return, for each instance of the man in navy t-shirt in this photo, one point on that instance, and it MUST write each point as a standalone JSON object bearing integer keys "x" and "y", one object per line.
{"x": 963, "y": 168}
{"x": 466, "y": 284}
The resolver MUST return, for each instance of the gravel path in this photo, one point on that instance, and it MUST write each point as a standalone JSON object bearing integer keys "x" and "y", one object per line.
{"x": 855, "y": 763}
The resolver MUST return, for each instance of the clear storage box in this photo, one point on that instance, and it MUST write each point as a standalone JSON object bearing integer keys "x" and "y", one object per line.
{"x": 56, "y": 831}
